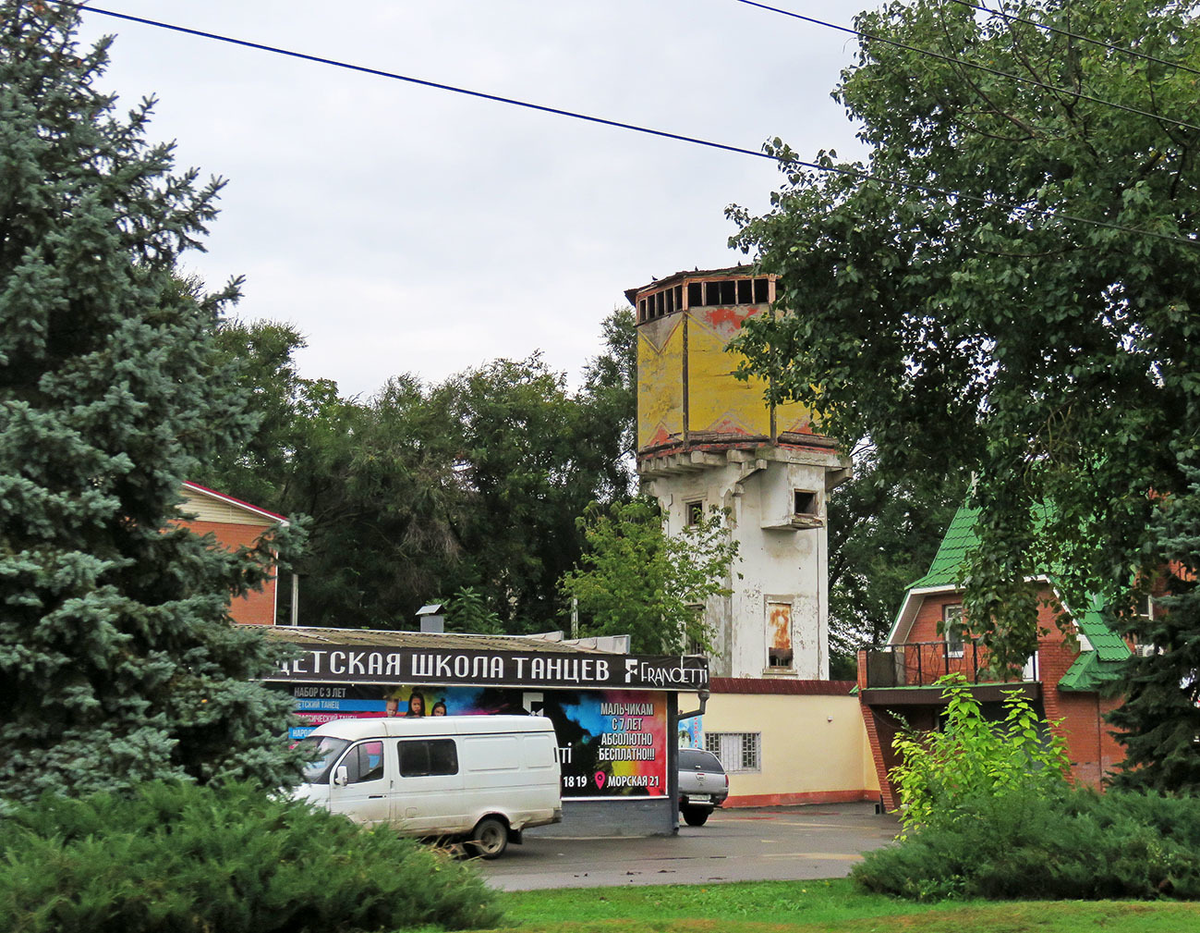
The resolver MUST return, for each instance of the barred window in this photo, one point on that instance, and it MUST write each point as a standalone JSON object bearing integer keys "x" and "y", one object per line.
{"x": 738, "y": 751}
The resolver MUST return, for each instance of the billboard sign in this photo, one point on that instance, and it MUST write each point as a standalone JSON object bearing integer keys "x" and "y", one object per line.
{"x": 612, "y": 744}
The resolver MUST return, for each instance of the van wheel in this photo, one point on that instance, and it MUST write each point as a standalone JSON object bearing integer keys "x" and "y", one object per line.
{"x": 695, "y": 816}
{"x": 489, "y": 838}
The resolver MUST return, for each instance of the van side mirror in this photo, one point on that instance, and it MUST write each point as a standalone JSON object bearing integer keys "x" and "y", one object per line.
{"x": 341, "y": 777}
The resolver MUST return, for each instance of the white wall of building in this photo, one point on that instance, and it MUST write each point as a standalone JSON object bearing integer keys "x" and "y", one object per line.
{"x": 783, "y": 556}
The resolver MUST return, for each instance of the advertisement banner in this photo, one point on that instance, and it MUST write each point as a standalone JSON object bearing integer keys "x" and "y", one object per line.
{"x": 391, "y": 665}
{"x": 691, "y": 732}
{"x": 611, "y": 743}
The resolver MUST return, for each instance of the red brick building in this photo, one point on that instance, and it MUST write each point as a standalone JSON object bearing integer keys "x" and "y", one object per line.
{"x": 235, "y": 524}
{"x": 1064, "y": 679}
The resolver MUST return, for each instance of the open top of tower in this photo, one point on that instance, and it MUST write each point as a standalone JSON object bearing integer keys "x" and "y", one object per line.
{"x": 727, "y": 288}
{"x": 689, "y": 402}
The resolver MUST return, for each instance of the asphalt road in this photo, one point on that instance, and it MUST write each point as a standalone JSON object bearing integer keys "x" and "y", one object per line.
{"x": 770, "y": 844}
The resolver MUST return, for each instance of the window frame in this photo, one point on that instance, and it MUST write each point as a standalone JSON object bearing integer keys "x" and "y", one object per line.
{"x": 749, "y": 751}
{"x": 357, "y": 757}
{"x": 428, "y": 743}
{"x": 952, "y": 630}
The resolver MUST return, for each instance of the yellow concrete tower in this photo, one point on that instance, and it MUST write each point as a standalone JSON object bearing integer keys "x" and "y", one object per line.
{"x": 706, "y": 439}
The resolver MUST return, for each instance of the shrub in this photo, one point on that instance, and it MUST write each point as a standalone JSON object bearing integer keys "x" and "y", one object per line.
{"x": 972, "y": 757}
{"x": 178, "y": 857}
{"x": 1065, "y": 844}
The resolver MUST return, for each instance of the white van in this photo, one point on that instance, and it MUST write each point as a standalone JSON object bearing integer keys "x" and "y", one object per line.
{"x": 477, "y": 778}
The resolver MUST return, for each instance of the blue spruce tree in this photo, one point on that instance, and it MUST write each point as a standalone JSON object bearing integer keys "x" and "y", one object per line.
{"x": 1159, "y": 722}
{"x": 118, "y": 662}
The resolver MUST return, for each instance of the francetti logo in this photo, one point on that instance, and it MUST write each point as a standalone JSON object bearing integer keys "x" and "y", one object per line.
{"x": 665, "y": 673}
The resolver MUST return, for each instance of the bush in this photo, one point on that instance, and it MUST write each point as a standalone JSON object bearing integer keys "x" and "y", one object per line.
{"x": 973, "y": 758}
{"x": 178, "y": 857}
{"x": 1067, "y": 844}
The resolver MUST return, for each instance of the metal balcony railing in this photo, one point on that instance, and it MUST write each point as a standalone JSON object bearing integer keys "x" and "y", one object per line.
{"x": 920, "y": 664}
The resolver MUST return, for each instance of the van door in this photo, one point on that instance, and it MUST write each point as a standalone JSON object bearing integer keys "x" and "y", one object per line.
{"x": 427, "y": 799}
{"x": 364, "y": 796}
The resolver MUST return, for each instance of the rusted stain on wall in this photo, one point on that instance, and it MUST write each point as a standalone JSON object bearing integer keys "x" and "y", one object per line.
{"x": 779, "y": 635}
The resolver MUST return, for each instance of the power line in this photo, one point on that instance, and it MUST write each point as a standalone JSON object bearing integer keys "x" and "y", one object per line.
{"x": 1133, "y": 53}
{"x": 798, "y": 163}
{"x": 871, "y": 37}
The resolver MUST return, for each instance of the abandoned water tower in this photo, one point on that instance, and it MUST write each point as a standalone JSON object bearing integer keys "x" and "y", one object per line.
{"x": 707, "y": 440}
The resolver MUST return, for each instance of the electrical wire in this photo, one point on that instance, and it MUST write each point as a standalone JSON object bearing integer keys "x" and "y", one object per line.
{"x": 1120, "y": 49}
{"x": 883, "y": 40}
{"x": 617, "y": 124}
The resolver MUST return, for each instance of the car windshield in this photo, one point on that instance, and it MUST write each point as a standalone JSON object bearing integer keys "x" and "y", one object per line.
{"x": 320, "y": 751}
{"x": 693, "y": 759}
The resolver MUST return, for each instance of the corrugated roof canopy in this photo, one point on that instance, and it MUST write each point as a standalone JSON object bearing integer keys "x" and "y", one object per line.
{"x": 445, "y": 641}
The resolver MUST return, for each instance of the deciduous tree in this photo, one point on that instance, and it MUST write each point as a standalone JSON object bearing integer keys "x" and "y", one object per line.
{"x": 636, "y": 580}
{"x": 1008, "y": 283}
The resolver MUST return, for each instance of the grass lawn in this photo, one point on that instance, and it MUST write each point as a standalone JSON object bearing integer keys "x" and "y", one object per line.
{"x": 826, "y": 906}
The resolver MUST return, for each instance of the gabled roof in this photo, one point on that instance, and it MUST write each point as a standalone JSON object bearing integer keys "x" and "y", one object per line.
{"x": 234, "y": 503}
{"x": 952, "y": 552}
{"x": 945, "y": 573}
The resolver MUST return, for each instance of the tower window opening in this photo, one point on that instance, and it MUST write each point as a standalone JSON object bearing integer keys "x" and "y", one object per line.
{"x": 804, "y": 503}
{"x": 728, "y": 292}
{"x": 642, "y": 309}
{"x": 745, "y": 292}
{"x": 658, "y": 305}
{"x": 762, "y": 291}
{"x": 695, "y": 294}
{"x": 779, "y": 636}
{"x": 693, "y": 513}
{"x": 670, "y": 300}
{"x": 678, "y": 297}
{"x": 712, "y": 293}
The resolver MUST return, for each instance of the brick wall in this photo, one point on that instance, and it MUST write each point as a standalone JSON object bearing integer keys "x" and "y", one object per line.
{"x": 1078, "y": 717}
{"x": 258, "y": 606}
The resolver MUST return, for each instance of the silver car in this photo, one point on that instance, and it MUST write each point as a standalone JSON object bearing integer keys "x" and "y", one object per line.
{"x": 703, "y": 785}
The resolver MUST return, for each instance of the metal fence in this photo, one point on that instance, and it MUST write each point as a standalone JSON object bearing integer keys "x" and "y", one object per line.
{"x": 920, "y": 664}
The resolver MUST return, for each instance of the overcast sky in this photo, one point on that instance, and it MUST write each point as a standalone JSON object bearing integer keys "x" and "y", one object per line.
{"x": 409, "y": 230}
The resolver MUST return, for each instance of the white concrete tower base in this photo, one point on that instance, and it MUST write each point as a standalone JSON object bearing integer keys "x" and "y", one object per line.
{"x": 775, "y": 624}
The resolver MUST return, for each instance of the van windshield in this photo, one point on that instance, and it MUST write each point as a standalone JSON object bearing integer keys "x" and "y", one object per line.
{"x": 320, "y": 752}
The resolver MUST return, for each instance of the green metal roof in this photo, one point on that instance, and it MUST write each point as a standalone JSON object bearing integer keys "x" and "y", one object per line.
{"x": 952, "y": 552}
{"x": 1090, "y": 673}
{"x": 946, "y": 570}
{"x": 1108, "y": 644}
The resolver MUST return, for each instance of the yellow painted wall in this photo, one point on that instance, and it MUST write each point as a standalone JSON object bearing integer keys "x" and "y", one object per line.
{"x": 717, "y": 402}
{"x": 813, "y": 748}
{"x": 720, "y": 402}
{"x": 660, "y": 380}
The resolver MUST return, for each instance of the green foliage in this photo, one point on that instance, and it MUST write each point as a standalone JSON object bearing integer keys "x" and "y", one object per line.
{"x": 467, "y": 611}
{"x": 884, "y": 530}
{"x": 117, "y": 660}
{"x": 983, "y": 332}
{"x": 941, "y": 773}
{"x": 470, "y": 484}
{"x": 186, "y": 858}
{"x": 292, "y": 413}
{"x": 636, "y": 580}
{"x": 1159, "y": 720}
{"x": 1067, "y": 844}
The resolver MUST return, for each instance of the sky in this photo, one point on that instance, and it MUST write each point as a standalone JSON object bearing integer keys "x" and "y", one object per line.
{"x": 404, "y": 229}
